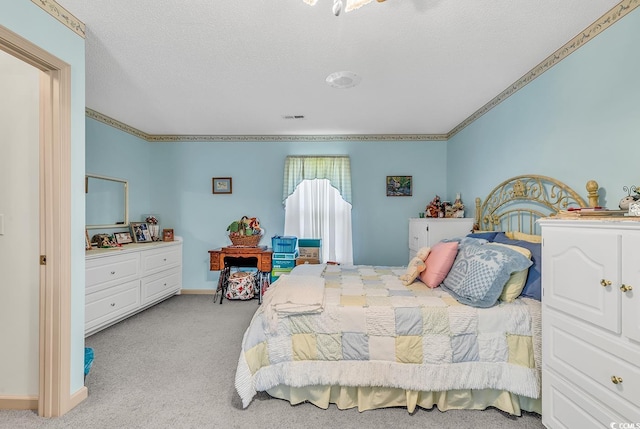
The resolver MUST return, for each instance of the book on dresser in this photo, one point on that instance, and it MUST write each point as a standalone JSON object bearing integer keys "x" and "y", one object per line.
{"x": 122, "y": 281}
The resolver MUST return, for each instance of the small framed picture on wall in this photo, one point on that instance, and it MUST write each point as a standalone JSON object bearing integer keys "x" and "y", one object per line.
{"x": 222, "y": 185}
{"x": 399, "y": 186}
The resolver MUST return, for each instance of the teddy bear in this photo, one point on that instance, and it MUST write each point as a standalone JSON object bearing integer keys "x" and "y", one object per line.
{"x": 416, "y": 266}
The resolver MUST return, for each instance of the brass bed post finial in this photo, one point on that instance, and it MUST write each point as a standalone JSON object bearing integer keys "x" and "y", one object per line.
{"x": 476, "y": 224}
{"x": 592, "y": 193}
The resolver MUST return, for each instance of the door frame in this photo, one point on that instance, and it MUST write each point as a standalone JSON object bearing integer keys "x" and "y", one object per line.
{"x": 54, "y": 392}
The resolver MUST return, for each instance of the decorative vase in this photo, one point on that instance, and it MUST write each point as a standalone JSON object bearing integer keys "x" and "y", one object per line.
{"x": 154, "y": 231}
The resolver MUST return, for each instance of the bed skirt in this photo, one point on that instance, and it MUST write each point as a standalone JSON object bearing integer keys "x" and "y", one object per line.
{"x": 370, "y": 398}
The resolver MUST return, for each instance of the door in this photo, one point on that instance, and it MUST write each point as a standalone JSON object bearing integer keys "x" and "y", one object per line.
{"x": 53, "y": 177}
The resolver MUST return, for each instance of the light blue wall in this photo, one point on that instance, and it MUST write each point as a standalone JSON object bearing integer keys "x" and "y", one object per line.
{"x": 113, "y": 153}
{"x": 580, "y": 120}
{"x": 575, "y": 122}
{"x": 178, "y": 182}
{"x": 32, "y": 23}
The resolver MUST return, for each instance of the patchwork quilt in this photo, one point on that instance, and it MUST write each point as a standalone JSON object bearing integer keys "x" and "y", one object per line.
{"x": 375, "y": 331}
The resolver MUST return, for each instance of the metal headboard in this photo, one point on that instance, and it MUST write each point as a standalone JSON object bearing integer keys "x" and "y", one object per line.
{"x": 516, "y": 203}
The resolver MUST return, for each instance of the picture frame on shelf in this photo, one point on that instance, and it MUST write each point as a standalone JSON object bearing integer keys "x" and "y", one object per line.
{"x": 167, "y": 234}
{"x": 140, "y": 232}
{"x": 399, "y": 186}
{"x": 87, "y": 240}
{"x": 222, "y": 185}
{"x": 123, "y": 237}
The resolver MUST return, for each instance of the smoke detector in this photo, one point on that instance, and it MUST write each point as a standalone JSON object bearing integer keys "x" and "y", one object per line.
{"x": 343, "y": 79}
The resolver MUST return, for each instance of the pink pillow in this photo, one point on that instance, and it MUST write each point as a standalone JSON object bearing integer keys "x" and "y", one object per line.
{"x": 439, "y": 262}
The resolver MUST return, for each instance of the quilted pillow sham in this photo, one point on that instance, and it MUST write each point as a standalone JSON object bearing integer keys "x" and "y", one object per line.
{"x": 480, "y": 272}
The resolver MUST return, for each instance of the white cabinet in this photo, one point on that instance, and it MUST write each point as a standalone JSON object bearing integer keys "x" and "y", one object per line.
{"x": 425, "y": 232}
{"x": 122, "y": 281}
{"x": 590, "y": 323}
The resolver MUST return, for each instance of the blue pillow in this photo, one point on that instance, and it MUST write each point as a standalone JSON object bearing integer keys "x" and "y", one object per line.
{"x": 487, "y": 235}
{"x": 533, "y": 286}
{"x": 480, "y": 272}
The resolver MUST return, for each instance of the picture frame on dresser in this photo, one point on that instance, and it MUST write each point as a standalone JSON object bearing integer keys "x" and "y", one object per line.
{"x": 87, "y": 240}
{"x": 140, "y": 232}
{"x": 167, "y": 234}
{"x": 123, "y": 237}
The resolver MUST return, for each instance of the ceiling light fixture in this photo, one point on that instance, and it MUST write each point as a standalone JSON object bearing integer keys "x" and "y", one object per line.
{"x": 349, "y": 5}
{"x": 343, "y": 79}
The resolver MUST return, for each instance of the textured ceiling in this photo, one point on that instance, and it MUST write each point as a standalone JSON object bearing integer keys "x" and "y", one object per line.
{"x": 202, "y": 67}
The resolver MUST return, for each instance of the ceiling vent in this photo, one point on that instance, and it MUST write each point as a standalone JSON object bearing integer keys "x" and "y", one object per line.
{"x": 343, "y": 79}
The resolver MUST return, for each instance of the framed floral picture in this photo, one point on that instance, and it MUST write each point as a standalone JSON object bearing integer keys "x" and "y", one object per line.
{"x": 222, "y": 185}
{"x": 399, "y": 186}
{"x": 140, "y": 232}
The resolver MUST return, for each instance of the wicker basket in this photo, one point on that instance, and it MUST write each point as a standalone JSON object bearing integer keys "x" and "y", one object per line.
{"x": 245, "y": 240}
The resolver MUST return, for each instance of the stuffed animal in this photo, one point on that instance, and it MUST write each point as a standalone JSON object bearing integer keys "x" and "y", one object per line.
{"x": 434, "y": 208}
{"x": 416, "y": 266}
{"x": 626, "y": 202}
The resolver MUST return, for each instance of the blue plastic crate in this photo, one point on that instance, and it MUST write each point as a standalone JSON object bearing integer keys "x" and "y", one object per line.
{"x": 283, "y": 244}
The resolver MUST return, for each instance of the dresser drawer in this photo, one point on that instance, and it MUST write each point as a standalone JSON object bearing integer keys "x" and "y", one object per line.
{"x": 160, "y": 285}
{"x": 591, "y": 360}
{"x": 110, "y": 269}
{"x": 109, "y": 304}
{"x": 157, "y": 260}
{"x": 567, "y": 407}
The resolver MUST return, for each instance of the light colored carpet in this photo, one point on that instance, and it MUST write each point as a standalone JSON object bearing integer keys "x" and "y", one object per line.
{"x": 173, "y": 366}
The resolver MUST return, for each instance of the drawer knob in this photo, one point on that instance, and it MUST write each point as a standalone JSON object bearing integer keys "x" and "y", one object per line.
{"x": 625, "y": 288}
{"x": 605, "y": 283}
{"x": 113, "y": 304}
{"x": 615, "y": 379}
{"x": 165, "y": 259}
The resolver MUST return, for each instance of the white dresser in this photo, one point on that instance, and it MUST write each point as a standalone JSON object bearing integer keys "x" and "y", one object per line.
{"x": 123, "y": 281}
{"x": 590, "y": 323}
{"x": 425, "y": 232}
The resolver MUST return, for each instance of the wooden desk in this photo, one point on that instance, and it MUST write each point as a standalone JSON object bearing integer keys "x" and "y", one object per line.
{"x": 224, "y": 258}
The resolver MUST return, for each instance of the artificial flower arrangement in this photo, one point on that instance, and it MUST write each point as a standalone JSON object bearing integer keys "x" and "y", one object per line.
{"x": 152, "y": 220}
{"x": 245, "y": 232}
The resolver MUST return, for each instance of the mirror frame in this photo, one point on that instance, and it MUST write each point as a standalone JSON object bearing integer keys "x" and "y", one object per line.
{"x": 126, "y": 200}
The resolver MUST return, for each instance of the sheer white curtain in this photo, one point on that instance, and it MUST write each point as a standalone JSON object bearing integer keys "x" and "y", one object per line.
{"x": 317, "y": 210}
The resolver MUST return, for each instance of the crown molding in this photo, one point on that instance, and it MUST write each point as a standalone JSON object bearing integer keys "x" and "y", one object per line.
{"x": 155, "y": 138}
{"x": 62, "y": 15}
{"x": 601, "y": 24}
{"x": 115, "y": 123}
{"x": 298, "y": 138}
{"x": 604, "y": 22}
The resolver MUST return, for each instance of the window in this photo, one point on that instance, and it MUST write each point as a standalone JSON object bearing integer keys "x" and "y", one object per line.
{"x": 317, "y": 199}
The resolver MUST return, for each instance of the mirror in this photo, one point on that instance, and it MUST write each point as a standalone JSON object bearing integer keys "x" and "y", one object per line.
{"x": 107, "y": 202}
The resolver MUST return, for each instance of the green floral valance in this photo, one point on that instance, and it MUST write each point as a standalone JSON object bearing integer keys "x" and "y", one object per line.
{"x": 335, "y": 168}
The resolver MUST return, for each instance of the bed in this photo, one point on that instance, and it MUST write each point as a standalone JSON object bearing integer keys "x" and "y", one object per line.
{"x": 458, "y": 336}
